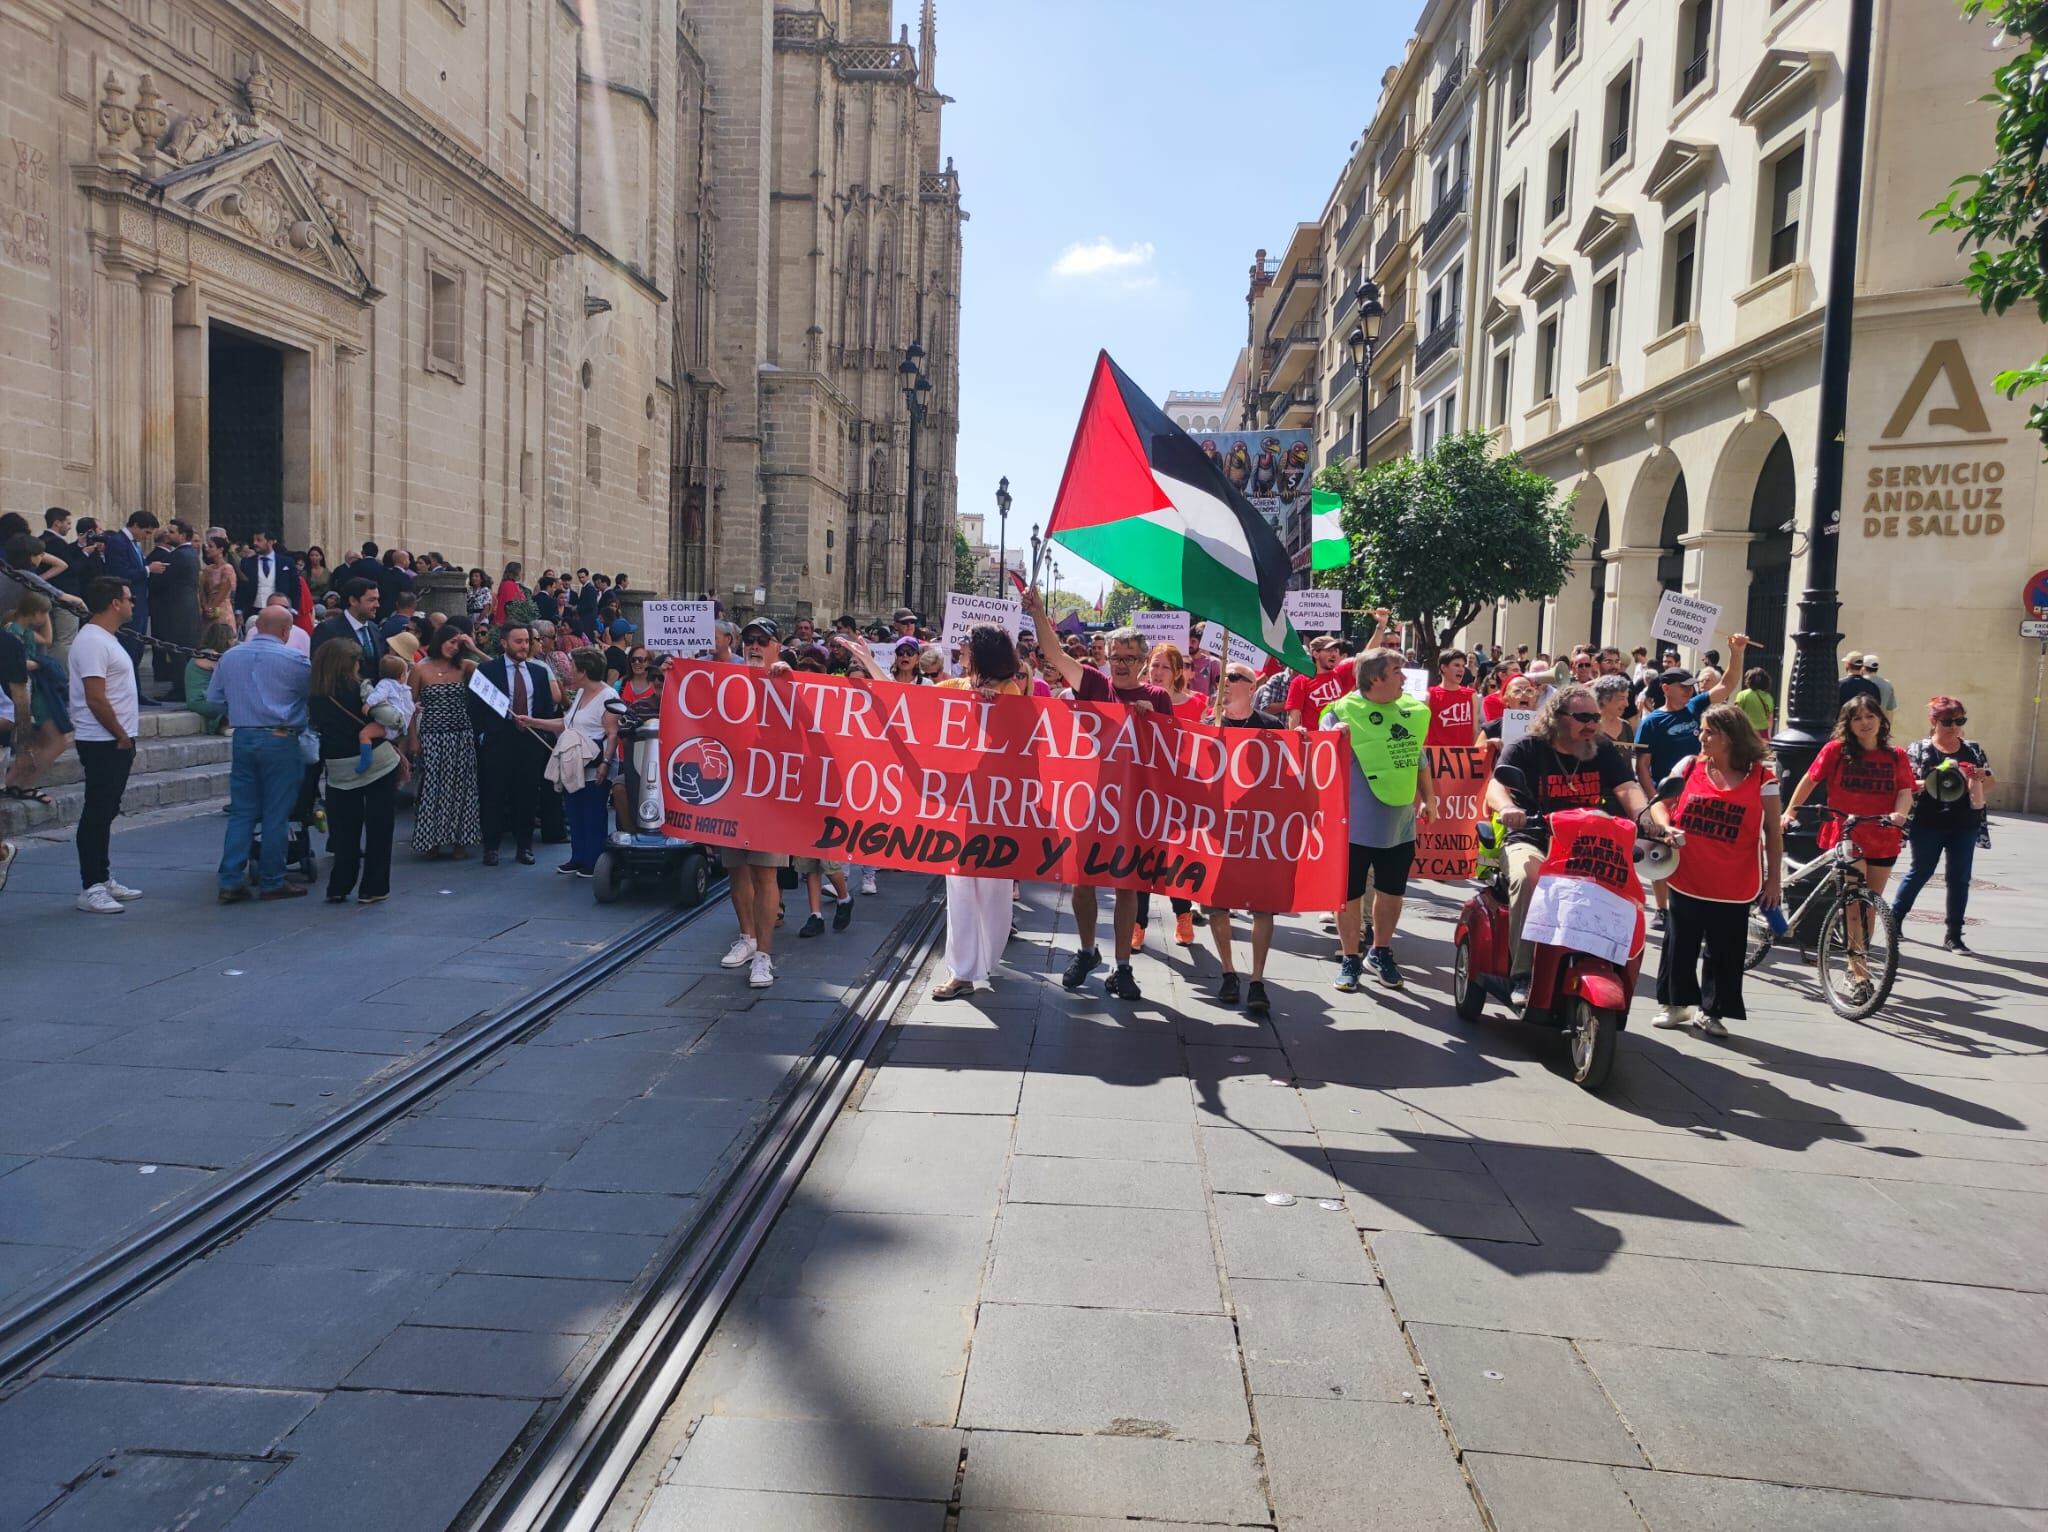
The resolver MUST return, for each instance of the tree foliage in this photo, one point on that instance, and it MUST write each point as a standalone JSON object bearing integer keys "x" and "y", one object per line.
{"x": 2002, "y": 211}
{"x": 966, "y": 567}
{"x": 1439, "y": 539}
{"x": 1118, "y": 605}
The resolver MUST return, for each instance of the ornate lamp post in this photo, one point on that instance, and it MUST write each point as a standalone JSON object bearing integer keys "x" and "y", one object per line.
{"x": 1002, "y": 530}
{"x": 915, "y": 387}
{"x": 1364, "y": 341}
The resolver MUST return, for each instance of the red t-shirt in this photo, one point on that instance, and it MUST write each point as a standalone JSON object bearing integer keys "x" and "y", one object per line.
{"x": 1450, "y": 715}
{"x": 1724, "y": 835}
{"x": 1311, "y": 694}
{"x": 1095, "y": 687}
{"x": 1867, "y": 782}
{"x": 1491, "y": 706}
{"x": 1191, "y": 711}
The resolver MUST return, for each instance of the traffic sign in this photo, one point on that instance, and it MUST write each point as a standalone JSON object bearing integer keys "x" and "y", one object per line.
{"x": 2034, "y": 598}
{"x": 2034, "y": 627}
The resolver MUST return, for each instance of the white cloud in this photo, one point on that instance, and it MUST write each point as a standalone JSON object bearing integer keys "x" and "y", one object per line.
{"x": 1100, "y": 256}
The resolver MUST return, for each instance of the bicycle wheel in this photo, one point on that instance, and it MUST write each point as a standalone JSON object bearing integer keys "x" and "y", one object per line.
{"x": 1759, "y": 940}
{"x": 1858, "y": 954}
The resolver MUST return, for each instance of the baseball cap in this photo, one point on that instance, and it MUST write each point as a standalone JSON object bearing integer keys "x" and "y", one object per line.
{"x": 903, "y": 614}
{"x": 1870, "y": 662}
{"x": 1853, "y": 657}
{"x": 765, "y": 626}
{"x": 1677, "y": 675}
{"x": 908, "y": 643}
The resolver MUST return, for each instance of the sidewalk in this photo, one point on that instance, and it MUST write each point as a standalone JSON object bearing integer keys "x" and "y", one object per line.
{"x": 1067, "y": 1263}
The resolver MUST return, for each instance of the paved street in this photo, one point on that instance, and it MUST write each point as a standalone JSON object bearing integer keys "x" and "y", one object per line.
{"x": 1069, "y": 1265}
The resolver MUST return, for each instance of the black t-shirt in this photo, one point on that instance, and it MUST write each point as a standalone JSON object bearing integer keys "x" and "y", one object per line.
{"x": 617, "y": 661}
{"x": 1553, "y": 781}
{"x": 1929, "y": 812}
{"x": 1850, "y": 687}
{"x": 13, "y": 661}
{"x": 1257, "y": 720}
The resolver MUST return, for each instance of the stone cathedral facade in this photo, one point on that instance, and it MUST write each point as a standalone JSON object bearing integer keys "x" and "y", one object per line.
{"x": 507, "y": 279}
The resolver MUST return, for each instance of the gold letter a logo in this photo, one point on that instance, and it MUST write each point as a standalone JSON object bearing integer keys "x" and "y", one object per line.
{"x": 1944, "y": 359}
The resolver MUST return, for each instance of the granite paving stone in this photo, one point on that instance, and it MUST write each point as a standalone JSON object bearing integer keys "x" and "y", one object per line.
{"x": 191, "y": 1494}
{"x": 1112, "y": 1138}
{"x": 1302, "y": 1242}
{"x": 1120, "y": 1478}
{"x": 1106, "y": 1257}
{"x": 1322, "y": 1340}
{"x": 562, "y": 1253}
{"x": 428, "y": 1359}
{"x": 849, "y": 1458}
{"x": 567, "y": 1305}
{"x": 1327, "y": 1458}
{"x": 353, "y": 1246}
{"x": 1106, "y": 1182}
{"x": 1524, "y": 1394}
{"x": 697, "y": 1508}
{"x": 1091, "y": 1371}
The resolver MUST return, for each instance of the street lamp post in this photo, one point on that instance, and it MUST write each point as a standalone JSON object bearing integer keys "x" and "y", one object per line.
{"x": 1002, "y": 531}
{"x": 1364, "y": 341}
{"x": 915, "y": 387}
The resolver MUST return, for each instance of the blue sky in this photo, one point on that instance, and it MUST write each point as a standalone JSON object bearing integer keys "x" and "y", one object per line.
{"x": 1121, "y": 160}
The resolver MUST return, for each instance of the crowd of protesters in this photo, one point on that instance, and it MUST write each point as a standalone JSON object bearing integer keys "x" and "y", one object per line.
{"x": 343, "y": 698}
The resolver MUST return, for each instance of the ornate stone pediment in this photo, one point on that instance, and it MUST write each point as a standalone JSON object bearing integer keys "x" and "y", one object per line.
{"x": 258, "y": 191}
{"x": 1604, "y": 226}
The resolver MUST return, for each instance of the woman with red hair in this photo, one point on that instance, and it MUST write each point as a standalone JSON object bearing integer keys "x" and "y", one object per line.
{"x": 1951, "y": 776}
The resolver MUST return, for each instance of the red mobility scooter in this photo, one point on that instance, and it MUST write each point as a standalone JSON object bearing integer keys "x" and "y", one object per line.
{"x": 1582, "y": 978}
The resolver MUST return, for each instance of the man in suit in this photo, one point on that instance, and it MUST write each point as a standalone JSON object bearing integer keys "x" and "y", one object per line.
{"x": 266, "y": 572}
{"x": 358, "y": 624}
{"x": 174, "y": 603}
{"x": 127, "y": 557}
{"x": 511, "y": 758}
{"x": 366, "y": 567}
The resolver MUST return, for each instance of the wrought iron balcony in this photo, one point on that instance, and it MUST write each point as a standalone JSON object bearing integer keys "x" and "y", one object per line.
{"x": 1557, "y": 202}
{"x": 1343, "y": 377}
{"x": 1448, "y": 207}
{"x": 1339, "y": 450}
{"x": 1389, "y": 238}
{"x": 1440, "y": 339}
{"x": 1454, "y": 76}
{"x": 1694, "y": 74}
{"x": 1382, "y": 416}
{"x": 1345, "y": 306}
{"x": 1391, "y": 154}
{"x": 1355, "y": 214}
{"x": 1307, "y": 274}
{"x": 1617, "y": 146}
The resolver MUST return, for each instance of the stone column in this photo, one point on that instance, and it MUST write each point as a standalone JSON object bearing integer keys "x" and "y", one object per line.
{"x": 1717, "y": 570}
{"x": 1571, "y": 609}
{"x": 1632, "y": 596}
{"x": 191, "y": 443}
{"x": 158, "y": 401}
{"x": 343, "y": 523}
{"x": 117, "y": 392}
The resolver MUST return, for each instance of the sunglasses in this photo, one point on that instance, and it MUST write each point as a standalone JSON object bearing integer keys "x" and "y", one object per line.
{"x": 1583, "y": 717}
{"x": 1958, "y": 719}
{"x": 755, "y": 643}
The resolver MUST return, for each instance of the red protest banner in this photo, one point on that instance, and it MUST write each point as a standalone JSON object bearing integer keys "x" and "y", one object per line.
{"x": 933, "y": 780}
{"x": 1446, "y": 848}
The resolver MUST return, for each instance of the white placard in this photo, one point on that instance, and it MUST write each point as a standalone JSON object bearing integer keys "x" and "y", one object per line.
{"x": 489, "y": 694}
{"x": 1514, "y": 724}
{"x": 1315, "y": 611}
{"x": 681, "y": 628}
{"x": 1243, "y": 650}
{"x": 1686, "y": 620}
{"x": 1168, "y": 627}
{"x": 966, "y": 612}
{"x": 1416, "y": 684}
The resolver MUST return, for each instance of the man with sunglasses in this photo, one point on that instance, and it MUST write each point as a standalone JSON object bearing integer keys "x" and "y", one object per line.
{"x": 1126, "y": 653}
{"x": 752, "y": 876}
{"x": 1563, "y": 762}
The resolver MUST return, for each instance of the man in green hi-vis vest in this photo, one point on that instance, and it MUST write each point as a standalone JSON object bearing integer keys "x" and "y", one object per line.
{"x": 1391, "y": 794}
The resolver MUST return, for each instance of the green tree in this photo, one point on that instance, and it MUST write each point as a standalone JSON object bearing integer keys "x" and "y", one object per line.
{"x": 2002, "y": 210}
{"x": 1439, "y": 539}
{"x": 1118, "y": 605}
{"x": 966, "y": 567}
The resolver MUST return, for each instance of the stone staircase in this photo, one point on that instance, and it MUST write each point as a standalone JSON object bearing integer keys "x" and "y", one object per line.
{"x": 176, "y": 762}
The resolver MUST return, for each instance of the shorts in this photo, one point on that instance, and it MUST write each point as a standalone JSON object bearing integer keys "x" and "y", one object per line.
{"x": 1880, "y": 861}
{"x": 1386, "y": 867}
{"x": 806, "y": 865}
{"x": 774, "y": 859}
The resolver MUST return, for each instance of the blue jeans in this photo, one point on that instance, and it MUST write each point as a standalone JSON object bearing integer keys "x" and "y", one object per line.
{"x": 263, "y": 784}
{"x": 1928, "y": 844}
{"x": 588, "y": 808}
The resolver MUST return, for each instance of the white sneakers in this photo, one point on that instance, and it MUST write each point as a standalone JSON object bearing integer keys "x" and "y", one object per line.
{"x": 867, "y": 881}
{"x": 739, "y": 954}
{"x": 123, "y": 892}
{"x": 1674, "y": 1018}
{"x": 762, "y": 974}
{"x": 99, "y": 900}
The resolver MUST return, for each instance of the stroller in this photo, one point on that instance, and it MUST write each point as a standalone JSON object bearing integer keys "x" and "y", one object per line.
{"x": 307, "y": 815}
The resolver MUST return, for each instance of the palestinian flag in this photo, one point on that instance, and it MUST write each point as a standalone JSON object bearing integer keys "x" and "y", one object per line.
{"x": 1328, "y": 547}
{"x": 1141, "y": 502}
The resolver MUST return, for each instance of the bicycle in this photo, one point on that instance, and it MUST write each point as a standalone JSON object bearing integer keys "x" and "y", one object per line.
{"x": 1856, "y": 942}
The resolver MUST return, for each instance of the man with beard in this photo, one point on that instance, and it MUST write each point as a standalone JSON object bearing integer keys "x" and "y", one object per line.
{"x": 1563, "y": 762}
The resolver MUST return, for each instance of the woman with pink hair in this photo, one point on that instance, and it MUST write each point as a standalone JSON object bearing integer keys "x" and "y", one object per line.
{"x": 1951, "y": 776}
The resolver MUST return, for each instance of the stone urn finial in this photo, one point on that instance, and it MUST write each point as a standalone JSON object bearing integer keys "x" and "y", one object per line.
{"x": 117, "y": 121}
{"x": 151, "y": 122}
{"x": 258, "y": 90}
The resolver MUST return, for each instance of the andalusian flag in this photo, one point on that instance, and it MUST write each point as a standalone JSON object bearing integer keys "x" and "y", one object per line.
{"x": 1141, "y": 502}
{"x": 1328, "y": 547}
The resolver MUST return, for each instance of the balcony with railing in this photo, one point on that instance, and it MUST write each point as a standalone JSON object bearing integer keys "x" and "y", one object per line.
{"x": 1382, "y": 417}
{"x": 1292, "y": 407}
{"x": 1306, "y": 279}
{"x": 1447, "y": 87}
{"x": 1339, "y": 449}
{"x": 1390, "y": 239}
{"x": 1443, "y": 335}
{"x": 1344, "y": 307}
{"x": 1447, "y": 208}
{"x": 1294, "y": 350}
{"x": 1694, "y": 75}
{"x": 874, "y": 61}
{"x": 1558, "y": 199}
{"x": 1345, "y": 375}
{"x": 1617, "y": 146}
{"x": 1393, "y": 154}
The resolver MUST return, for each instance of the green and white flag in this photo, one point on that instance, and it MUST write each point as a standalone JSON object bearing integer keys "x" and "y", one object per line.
{"x": 1328, "y": 547}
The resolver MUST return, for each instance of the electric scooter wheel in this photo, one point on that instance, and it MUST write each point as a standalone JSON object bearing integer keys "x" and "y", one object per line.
{"x": 608, "y": 878}
{"x": 1592, "y": 1037}
{"x": 1468, "y": 998}
{"x": 694, "y": 878}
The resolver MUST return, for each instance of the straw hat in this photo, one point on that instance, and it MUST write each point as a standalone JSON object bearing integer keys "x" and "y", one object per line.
{"x": 404, "y": 645}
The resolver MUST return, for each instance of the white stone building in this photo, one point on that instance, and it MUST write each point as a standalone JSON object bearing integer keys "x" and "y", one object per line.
{"x": 1195, "y": 410}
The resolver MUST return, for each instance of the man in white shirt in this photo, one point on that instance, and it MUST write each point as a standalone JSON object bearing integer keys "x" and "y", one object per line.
{"x": 106, "y": 708}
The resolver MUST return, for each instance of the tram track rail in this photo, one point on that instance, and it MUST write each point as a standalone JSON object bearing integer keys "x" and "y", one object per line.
{"x": 53, "y": 1317}
{"x": 571, "y": 1466}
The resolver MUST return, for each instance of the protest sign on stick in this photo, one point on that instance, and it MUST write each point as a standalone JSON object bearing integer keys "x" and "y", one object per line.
{"x": 1167, "y": 627}
{"x": 1315, "y": 611}
{"x": 680, "y": 628}
{"x": 1686, "y": 620}
{"x": 965, "y": 612}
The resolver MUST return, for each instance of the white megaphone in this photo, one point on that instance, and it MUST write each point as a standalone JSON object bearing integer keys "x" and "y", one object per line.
{"x": 1656, "y": 860}
{"x": 1948, "y": 783}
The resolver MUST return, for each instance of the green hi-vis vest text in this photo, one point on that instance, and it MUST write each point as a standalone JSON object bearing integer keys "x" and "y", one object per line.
{"x": 1386, "y": 737}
